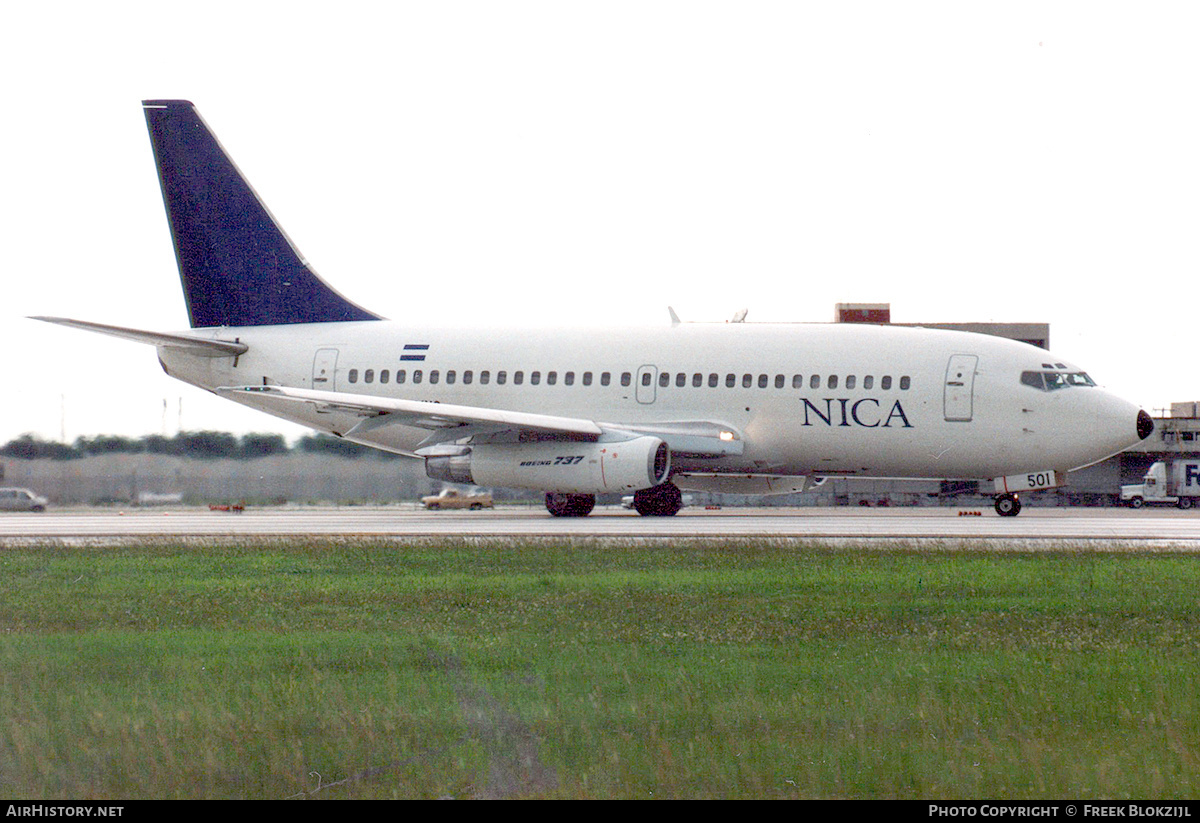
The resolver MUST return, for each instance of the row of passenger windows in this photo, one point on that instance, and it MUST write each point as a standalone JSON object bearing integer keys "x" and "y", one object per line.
{"x": 665, "y": 379}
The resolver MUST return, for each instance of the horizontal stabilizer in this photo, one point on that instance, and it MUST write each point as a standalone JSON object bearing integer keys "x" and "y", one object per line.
{"x": 200, "y": 346}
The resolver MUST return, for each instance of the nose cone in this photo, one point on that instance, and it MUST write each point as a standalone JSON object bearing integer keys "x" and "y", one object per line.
{"x": 1144, "y": 425}
{"x": 1096, "y": 425}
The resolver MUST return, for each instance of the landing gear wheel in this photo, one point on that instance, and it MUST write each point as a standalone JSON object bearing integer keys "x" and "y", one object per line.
{"x": 570, "y": 505}
{"x": 1007, "y": 505}
{"x": 1184, "y": 503}
{"x": 660, "y": 501}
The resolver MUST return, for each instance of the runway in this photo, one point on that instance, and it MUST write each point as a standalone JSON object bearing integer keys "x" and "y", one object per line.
{"x": 1150, "y": 528}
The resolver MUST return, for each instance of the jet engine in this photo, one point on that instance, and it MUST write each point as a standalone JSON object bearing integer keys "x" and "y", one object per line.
{"x": 558, "y": 465}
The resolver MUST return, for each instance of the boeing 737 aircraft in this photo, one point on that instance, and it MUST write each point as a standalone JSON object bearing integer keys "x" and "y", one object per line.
{"x": 732, "y": 407}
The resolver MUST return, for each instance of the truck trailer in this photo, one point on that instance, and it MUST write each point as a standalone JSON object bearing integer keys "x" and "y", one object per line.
{"x": 1166, "y": 482}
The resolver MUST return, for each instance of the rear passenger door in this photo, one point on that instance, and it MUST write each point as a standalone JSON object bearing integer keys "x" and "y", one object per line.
{"x": 324, "y": 375}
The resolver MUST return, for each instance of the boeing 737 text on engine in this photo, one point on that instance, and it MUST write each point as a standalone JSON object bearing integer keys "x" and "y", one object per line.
{"x": 745, "y": 408}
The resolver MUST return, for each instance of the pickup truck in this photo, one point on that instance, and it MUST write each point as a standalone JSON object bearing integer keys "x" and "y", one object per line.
{"x": 454, "y": 499}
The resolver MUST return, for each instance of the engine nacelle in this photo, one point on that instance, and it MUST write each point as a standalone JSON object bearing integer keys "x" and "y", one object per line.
{"x": 559, "y": 466}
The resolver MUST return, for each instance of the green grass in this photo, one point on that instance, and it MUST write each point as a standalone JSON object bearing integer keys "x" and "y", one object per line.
{"x": 339, "y": 669}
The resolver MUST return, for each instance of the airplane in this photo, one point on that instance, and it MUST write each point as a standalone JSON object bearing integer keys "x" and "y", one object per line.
{"x": 749, "y": 408}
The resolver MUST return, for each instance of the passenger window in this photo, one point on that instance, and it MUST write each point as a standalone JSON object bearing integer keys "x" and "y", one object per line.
{"x": 697, "y": 380}
{"x": 832, "y": 381}
{"x": 814, "y": 382}
{"x": 518, "y": 378}
{"x": 747, "y": 381}
{"x": 730, "y": 381}
{"x": 645, "y": 378}
{"x": 681, "y": 380}
{"x": 885, "y": 383}
{"x": 762, "y": 381}
{"x": 713, "y": 379}
{"x": 400, "y": 375}
{"x": 797, "y": 381}
{"x": 417, "y": 375}
{"x": 535, "y": 378}
{"x": 851, "y": 381}
{"x": 501, "y": 378}
{"x": 551, "y": 378}
{"x": 353, "y": 376}
{"x": 605, "y": 378}
{"x": 587, "y": 378}
{"x": 485, "y": 377}
{"x": 868, "y": 382}
{"x": 369, "y": 376}
{"x": 626, "y": 378}
{"x": 434, "y": 376}
{"x": 569, "y": 378}
{"x": 451, "y": 376}
{"x": 904, "y": 383}
{"x": 383, "y": 376}
{"x": 664, "y": 379}
{"x": 468, "y": 377}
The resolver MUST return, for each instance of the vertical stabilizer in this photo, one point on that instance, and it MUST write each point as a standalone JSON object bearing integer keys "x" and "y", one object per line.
{"x": 237, "y": 266}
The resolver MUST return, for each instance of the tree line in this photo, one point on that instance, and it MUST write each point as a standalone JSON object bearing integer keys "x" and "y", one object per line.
{"x": 201, "y": 445}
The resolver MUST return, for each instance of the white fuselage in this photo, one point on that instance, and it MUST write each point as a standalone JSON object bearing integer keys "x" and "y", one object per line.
{"x": 806, "y": 399}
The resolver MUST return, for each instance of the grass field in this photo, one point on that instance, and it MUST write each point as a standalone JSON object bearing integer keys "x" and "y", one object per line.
{"x": 334, "y": 669}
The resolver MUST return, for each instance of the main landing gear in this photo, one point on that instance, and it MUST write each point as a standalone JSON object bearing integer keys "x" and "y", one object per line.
{"x": 1008, "y": 505}
{"x": 660, "y": 501}
{"x": 570, "y": 505}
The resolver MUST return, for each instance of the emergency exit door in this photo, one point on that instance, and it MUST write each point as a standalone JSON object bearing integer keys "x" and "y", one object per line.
{"x": 646, "y": 390}
{"x": 960, "y": 388}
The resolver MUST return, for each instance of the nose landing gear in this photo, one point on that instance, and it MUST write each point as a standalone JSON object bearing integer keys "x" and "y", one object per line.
{"x": 1008, "y": 505}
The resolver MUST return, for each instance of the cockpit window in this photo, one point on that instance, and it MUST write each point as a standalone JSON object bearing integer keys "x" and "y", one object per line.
{"x": 1052, "y": 380}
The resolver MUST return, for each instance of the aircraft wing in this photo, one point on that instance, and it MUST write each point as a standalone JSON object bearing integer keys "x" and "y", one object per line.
{"x": 448, "y": 422}
{"x": 424, "y": 414}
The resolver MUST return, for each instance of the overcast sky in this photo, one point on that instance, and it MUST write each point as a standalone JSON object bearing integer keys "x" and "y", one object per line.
{"x": 542, "y": 163}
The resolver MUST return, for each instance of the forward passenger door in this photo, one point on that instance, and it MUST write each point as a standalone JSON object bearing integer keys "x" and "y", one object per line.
{"x": 960, "y": 388}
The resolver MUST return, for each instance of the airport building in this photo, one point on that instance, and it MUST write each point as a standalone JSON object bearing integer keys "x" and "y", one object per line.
{"x": 1035, "y": 334}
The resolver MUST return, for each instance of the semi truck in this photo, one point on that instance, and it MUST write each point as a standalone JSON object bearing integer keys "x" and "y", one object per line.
{"x": 1167, "y": 481}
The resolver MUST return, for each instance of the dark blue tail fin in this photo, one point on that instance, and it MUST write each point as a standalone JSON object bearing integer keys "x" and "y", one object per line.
{"x": 238, "y": 267}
